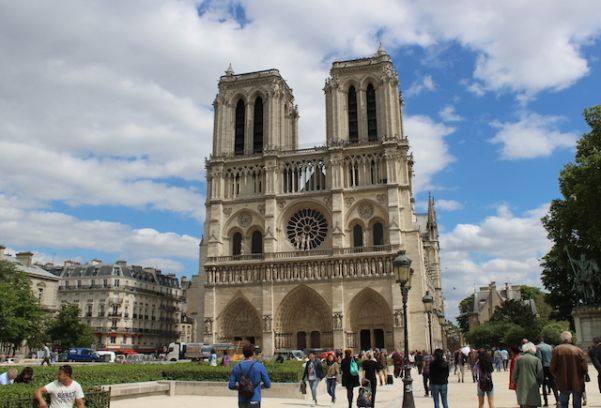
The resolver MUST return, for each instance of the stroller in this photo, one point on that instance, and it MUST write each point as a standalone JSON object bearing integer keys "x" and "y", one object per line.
{"x": 364, "y": 397}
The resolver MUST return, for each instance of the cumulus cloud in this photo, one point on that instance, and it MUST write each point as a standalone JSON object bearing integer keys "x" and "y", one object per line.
{"x": 424, "y": 84}
{"x": 532, "y": 136}
{"x": 448, "y": 114}
{"x": 430, "y": 151}
{"x": 502, "y": 248}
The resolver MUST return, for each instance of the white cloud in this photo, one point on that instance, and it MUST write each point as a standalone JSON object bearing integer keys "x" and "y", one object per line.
{"x": 424, "y": 84}
{"x": 448, "y": 205}
{"x": 502, "y": 248}
{"x": 532, "y": 136}
{"x": 430, "y": 151}
{"x": 448, "y": 114}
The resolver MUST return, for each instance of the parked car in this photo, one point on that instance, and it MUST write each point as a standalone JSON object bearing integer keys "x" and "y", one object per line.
{"x": 80, "y": 354}
{"x": 298, "y": 355}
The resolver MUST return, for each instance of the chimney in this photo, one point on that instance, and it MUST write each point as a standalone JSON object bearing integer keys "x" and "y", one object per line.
{"x": 25, "y": 258}
{"x": 2, "y": 248}
{"x": 96, "y": 261}
{"x": 122, "y": 263}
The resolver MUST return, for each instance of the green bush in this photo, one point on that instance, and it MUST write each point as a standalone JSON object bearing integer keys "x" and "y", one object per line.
{"x": 91, "y": 377}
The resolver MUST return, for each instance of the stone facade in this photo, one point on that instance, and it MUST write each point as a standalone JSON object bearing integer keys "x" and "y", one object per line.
{"x": 129, "y": 308}
{"x": 298, "y": 243}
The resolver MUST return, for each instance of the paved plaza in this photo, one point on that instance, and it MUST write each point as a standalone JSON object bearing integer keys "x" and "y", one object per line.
{"x": 461, "y": 395}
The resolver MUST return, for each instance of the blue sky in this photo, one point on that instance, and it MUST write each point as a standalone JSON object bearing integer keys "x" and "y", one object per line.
{"x": 106, "y": 117}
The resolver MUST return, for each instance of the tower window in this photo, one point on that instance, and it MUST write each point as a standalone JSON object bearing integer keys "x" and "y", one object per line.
{"x": 372, "y": 124}
{"x": 378, "y": 234}
{"x": 258, "y": 126}
{"x": 237, "y": 244}
{"x": 353, "y": 123}
{"x": 257, "y": 243}
{"x": 357, "y": 236}
{"x": 239, "y": 128}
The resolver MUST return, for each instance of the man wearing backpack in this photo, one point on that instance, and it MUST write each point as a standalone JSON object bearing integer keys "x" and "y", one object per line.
{"x": 255, "y": 372}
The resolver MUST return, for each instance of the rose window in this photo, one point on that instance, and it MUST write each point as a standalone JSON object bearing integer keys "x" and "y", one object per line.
{"x": 307, "y": 229}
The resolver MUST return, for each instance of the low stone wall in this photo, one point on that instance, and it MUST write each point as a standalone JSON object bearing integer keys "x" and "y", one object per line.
{"x": 201, "y": 388}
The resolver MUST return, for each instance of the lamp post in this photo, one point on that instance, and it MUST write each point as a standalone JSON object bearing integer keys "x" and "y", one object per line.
{"x": 428, "y": 302}
{"x": 401, "y": 265}
{"x": 442, "y": 322}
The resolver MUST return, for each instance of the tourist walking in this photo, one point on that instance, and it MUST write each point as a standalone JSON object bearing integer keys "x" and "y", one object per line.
{"x": 484, "y": 368}
{"x": 569, "y": 366}
{"x": 64, "y": 391}
{"x": 46, "y": 355}
{"x": 595, "y": 355}
{"x": 426, "y": 360}
{"x": 460, "y": 362}
{"x": 332, "y": 372}
{"x": 313, "y": 373}
{"x": 544, "y": 352}
{"x": 370, "y": 372}
{"x": 516, "y": 352}
{"x": 397, "y": 362}
{"x": 350, "y": 380}
{"x": 257, "y": 374}
{"x": 528, "y": 375}
{"x": 439, "y": 379}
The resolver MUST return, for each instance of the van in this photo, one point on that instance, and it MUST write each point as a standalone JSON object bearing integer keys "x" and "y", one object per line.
{"x": 107, "y": 356}
{"x": 80, "y": 354}
{"x": 297, "y": 355}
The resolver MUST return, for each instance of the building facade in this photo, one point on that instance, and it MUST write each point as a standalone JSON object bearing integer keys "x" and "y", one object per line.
{"x": 129, "y": 308}
{"x": 298, "y": 243}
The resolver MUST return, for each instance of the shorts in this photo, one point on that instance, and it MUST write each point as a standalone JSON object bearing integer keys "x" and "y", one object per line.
{"x": 482, "y": 393}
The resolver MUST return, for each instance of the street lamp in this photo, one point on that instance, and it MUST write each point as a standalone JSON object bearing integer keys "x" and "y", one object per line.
{"x": 442, "y": 321}
{"x": 401, "y": 265}
{"x": 428, "y": 302}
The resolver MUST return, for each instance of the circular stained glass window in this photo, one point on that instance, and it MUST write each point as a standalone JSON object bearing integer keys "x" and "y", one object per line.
{"x": 307, "y": 229}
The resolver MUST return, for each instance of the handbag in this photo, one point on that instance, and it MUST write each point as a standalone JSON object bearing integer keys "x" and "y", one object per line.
{"x": 587, "y": 378}
{"x": 303, "y": 387}
{"x": 354, "y": 368}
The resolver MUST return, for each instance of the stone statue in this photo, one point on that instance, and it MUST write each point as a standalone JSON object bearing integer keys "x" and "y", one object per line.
{"x": 587, "y": 280}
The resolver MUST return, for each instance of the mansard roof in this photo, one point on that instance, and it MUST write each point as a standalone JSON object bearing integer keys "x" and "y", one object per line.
{"x": 114, "y": 270}
{"x": 33, "y": 270}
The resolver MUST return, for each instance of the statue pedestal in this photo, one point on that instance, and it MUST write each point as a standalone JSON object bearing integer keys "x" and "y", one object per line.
{"x": 587, "y": 320}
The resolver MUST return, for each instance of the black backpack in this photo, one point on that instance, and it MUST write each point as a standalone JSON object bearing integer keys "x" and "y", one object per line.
{"x": 486, "y": 382}
{"x": 246, "y": 389}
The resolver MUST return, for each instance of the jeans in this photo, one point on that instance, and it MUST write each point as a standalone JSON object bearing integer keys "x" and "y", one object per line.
{"x": 349, "y": 395}
{"x": 439, "y": 390}
{"x": 426, "y": 378}
{"x": 313, "y": 385}
{"x": 331, "y": 385}
{"x": 564, "y": 399}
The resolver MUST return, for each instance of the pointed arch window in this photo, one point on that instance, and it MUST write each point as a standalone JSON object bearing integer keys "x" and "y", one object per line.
{"x": 378, "y": 234}
{"x": 239, "y": 128}
{"x": 357, "y": 236}
{"x": 353, "y": 121}
{"x": 237, "y": 244}
{"x": 257, "y": 243}
{"x": 372, "y": 123}
{"x": 258, "y": 126}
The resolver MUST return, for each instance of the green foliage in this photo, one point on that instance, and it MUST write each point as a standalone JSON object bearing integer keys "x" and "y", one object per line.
{"x": 20, "y": 312}
{"x": 574, "y": 223}
{"x": 552, "y": 331}
{"x": 513, "y": 311}
{"x": 91, "y": 377}
{"x": 66, "y": 327}
{"x": 465, "y": 307}
{"x": 488, "y": 334}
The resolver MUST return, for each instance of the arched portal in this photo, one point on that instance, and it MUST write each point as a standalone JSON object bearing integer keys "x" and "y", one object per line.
{"x": 303, "y": 319}
{"x": 370, "y": 318}
{"x": 240, "y": 321}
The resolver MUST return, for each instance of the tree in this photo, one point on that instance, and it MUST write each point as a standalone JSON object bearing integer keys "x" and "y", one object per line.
{"x": 517, "y": 313}
{"x": 466, "y": 306}
{"x": 552, "y": 331}
{"x": 536, "y": 294}
{"x": 20, "y": 312}
{"x": 67, "y": 329}
{"x": 574, "y": 223}
{"x": 489, "y": 334}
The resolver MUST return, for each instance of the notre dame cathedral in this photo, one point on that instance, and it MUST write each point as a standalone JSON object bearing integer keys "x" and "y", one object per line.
{"x": 298, "y": 243}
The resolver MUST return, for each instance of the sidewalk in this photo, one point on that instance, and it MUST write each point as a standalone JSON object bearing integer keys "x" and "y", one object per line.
{"x": 461, "y": 395}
